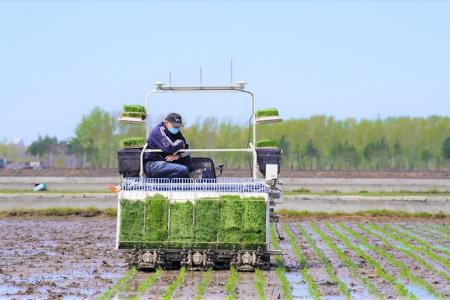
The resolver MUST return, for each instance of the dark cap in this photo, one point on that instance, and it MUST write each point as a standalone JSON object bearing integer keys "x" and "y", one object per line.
{"x": 175, "y": 119}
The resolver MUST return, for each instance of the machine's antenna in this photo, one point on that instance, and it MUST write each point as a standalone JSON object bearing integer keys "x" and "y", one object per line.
{"x": 231, "y": 71}
{"x": 201, "y": 77}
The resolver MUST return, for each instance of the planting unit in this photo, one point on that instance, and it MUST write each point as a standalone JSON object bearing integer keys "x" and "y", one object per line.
{"x": 198, "y": 223}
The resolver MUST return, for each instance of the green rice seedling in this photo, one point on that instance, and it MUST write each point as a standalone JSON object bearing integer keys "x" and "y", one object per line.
{"x": 156, "y": 218}
{"x": 417, "y": 237}
{"x": 326, "y": 262}
{"x": 133, "y": 142}
{"x": 181, "y": 227}
{"x": 260, "y": 284}
{"x": 146, "y": 284}
{"x": 399, "y": 236}
{"x": 312, "y": 286}
{"x": 268, "y": 112}
{"x": 267, "y": 144}
{"x": 175, "y": 284}
{"x": 133, "y": 108}
{"x": 230, "y": 286}
{"x": 404, "y": 269}
{"x": 399, "y": 287}
{"x": 438, "y": 235}
{"x": 206, "y": 220}
{"x": 231, "y": 213}
{"x": 131, "y": 220}
{"x": 354, "y": 268}
{"x": 280, "y": 270}
{"x": 254, "y": 220}
{"x": 206, "y": 280}
{"x": 441, "y": 228}
{"x": 409, "y": 253}
{"x": 109, "y": 293}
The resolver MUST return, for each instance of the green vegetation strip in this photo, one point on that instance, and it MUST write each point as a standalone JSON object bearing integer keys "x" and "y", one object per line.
{"x": 109, "y": 293}
{"x": 326, "y": 262}
{"x": 404, "y": 269}
{"x": 147, "y": 283}
{"x": 347, "y": 261}
{"x": 418, "y": 237}
{"x": 312, "y": 286}
{"x": 365, "y": 213}
{"x": 206, "y": 280}
{"x": 441, "y": 228}
{"x": 398, "y": 235}
{"x": 409, "y": 253}
{"x": 60, "y": 212}
{"x": 230, "y": 286}
{"x": 399, "y": 287}
{"x": 280, "y": 270}
{"x": 175, "y": 284}
{"x": 434, "y": 232}
{"x": 260, "y": 281}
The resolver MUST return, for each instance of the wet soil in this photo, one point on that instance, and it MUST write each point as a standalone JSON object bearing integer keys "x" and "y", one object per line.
{"x": 74, "y": 258}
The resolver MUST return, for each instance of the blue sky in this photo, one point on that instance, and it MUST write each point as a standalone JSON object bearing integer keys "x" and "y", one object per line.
{"x": 360, "y": 59}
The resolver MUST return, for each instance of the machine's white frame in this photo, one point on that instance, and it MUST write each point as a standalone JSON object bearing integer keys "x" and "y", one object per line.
{"x": 239, "y": 88}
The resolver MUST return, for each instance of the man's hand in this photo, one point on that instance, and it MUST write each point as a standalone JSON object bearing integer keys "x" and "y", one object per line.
{"x": 170, "y": 158}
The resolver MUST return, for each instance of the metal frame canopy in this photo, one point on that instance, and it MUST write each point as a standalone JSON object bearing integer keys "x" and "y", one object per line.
{"x": 238, "y": 88}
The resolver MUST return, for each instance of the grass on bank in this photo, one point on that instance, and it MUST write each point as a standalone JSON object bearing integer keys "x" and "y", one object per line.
{"x": 59, "y": 212}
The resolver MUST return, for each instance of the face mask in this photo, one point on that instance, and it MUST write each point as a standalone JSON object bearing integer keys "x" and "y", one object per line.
{"x": 174, "y": 130}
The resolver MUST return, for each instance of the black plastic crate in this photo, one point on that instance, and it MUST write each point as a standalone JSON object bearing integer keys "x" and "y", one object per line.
{"x": 265, "y": 156}
{"x": 129, "y": 161}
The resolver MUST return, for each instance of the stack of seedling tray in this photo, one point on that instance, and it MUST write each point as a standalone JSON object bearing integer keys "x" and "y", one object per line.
{"x": 268, "y": 115}
{"x": 227, "y": 222}
{"x": 133, "y": 114}
{"x": 133, "y": 142}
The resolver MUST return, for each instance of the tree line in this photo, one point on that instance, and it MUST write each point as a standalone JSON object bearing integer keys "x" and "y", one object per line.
{"x": 317, "y": 142}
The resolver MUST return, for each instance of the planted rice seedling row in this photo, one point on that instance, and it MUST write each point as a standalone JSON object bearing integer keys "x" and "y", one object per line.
{"x": 409, "y": 253}
{"x": 434, "y": 233}
{"x": 312, "y": 285}
{"x": 405, "y": 272}
{"x": 398, "y": 236}
{"x": 425, "y": 237}
{"x": 379, "y": 270}
{"x": 326, "y": 262}
{"x": 441, "y": 228}
{"x": 280, "y": 269}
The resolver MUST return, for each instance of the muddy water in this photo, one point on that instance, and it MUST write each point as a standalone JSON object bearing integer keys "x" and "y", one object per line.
{"x": 52, "y": 258}
{"x": 73, "y": 258}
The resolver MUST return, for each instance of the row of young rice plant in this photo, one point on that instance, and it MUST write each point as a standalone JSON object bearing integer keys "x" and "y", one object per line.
{"x": 280, "y": 269}
{"x": 379, "y": 270}
{"x": 398, "y": 237}
{"x": 348, "y": 262}
{"x": 418, "y": 235}
{"x": 326, "y": 262}
{"x": 175, "y": 284}
{"x": 312, "y": 286}
{"x": 259, "y": 284}
{"x": 230, "y": 286}
{"x": 109, "y": 293}
{"x": 435, "y": 235}
{"x": 405, "y": 272}
{"x": 206, "y": 280}
{"x": 370, "y": 229}
{"x": 147, "y": 283}
{"x": 441, "y": 228}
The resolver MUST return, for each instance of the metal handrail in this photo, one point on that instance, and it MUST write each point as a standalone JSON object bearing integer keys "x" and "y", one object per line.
{"x": 159, "y": 88}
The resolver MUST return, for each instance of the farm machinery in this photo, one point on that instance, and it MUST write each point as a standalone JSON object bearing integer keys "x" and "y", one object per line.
{"x": 211, "y": 222}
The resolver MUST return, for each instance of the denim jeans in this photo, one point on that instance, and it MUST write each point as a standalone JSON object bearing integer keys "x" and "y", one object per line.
{"x": 163, "y": 169}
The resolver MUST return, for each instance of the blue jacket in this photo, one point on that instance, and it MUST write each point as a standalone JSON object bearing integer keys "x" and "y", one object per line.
{"x": 161, "y": 138}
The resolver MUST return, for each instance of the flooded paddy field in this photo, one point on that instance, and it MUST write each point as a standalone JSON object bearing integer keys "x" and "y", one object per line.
{"x": 74, "y": 258}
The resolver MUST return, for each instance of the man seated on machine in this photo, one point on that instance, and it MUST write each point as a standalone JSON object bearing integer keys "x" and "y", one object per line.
{"x": 167, "y": 137}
